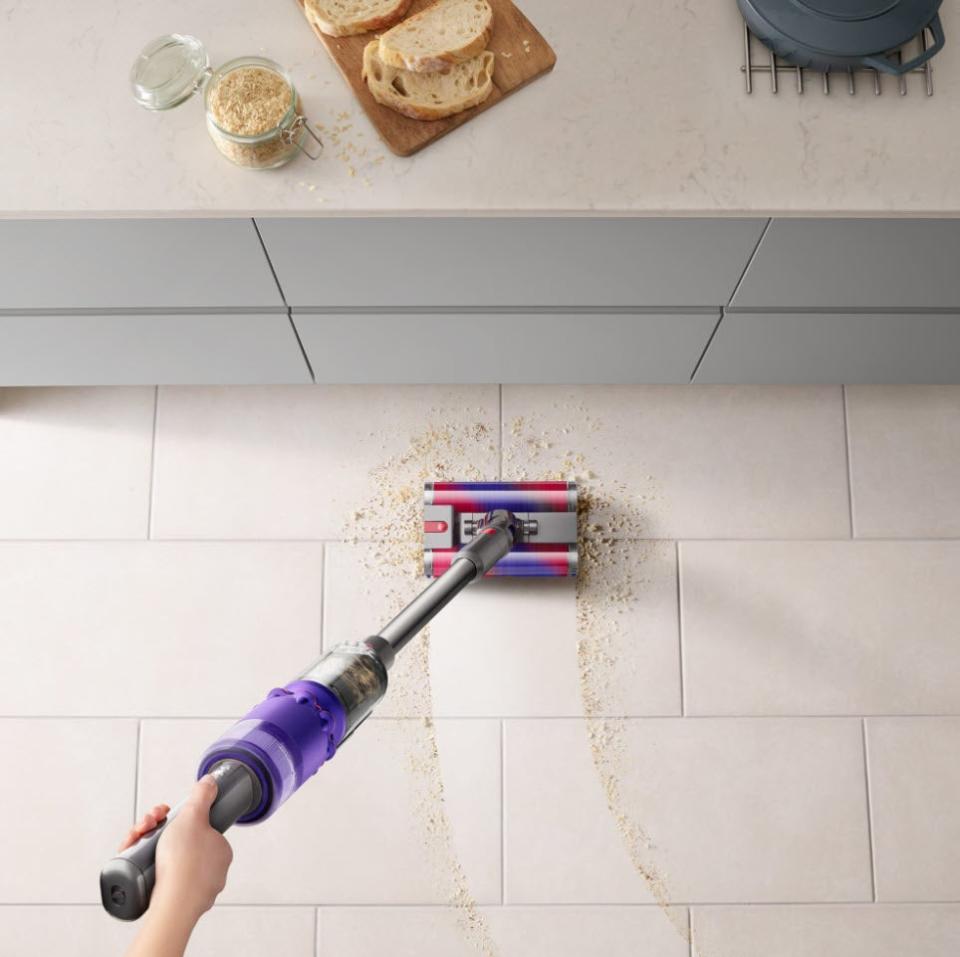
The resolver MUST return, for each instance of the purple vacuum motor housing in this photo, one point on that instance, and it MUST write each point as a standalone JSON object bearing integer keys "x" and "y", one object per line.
{"x": 284, "y": 741}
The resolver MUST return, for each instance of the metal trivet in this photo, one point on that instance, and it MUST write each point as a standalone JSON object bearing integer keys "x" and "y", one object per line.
{"x": 774, "y": 66}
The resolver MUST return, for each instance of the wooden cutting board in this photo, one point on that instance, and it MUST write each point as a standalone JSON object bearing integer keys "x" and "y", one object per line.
{"x": 517, "y": 63}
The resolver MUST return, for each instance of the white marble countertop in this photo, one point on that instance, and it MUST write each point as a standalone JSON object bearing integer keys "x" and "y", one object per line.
{"x": 645, "y": 114}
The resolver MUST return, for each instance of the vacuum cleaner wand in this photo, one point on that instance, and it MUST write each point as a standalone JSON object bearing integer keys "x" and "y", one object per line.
{"x": 286, "y": 738}
{"x": 473, "y": 561}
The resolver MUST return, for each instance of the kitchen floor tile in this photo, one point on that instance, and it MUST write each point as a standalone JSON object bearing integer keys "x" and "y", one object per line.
{"x": 905, "y": 460}
{"x": 513, "y": 648}
{"x": 369, "y": 829}
{"x": 915, "y": 796}
{"x": 67, "y": 805}
{"x": 76, "y": 462}
{"x": 151, "y": 628}
{"x": 681, "y": 462}
{"x": 820, "y": 627}
{"x": 508, "y": 932}
{"x": 297, "y": 462}
{"x": 866, "y": 930}
{"x": 87, "y": 931}
{"x": 713, "y": 810}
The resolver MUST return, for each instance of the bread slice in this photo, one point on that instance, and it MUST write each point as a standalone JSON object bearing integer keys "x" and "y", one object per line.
{"x": 428, "y": 96}
{"x": 344, "y": 18}
{"x": 446, "y": 33}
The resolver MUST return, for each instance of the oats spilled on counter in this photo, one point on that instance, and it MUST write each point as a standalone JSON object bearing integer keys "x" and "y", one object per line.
{"x": 250, "y": 101}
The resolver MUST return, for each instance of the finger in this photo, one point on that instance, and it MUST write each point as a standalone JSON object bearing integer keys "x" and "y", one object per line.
{"x": 132, "y": 837}
{"x": 147, "y": 823}
{"x": 160, "y": 811}
{"x": 204, "y": 793}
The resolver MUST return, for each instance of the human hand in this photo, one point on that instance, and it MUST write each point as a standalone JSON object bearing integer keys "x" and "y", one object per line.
{"x": 192, "y": 857}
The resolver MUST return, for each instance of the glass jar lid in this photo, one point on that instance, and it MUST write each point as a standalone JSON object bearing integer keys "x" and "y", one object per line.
{"x": 168, "y": 71}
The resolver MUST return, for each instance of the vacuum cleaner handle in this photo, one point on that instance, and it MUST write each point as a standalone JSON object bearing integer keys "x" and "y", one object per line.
{"x": 126, "y": 881}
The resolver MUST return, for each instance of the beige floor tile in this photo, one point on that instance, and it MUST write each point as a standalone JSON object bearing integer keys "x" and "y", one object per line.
{"x": 714, "y": 810}
{"x": 75, "y": 462}
{"x": 368, "y": 829}
{"x": 915, "y": 795}
{"x": 510, "y": 647}
{"x": 905, "y": 460}
{"x": 866, "y": 930}
{"x": 681, "y": 462}
{"x": 821, "y": 627}
{"x": 66, "y": 804}
{"x": 149, "y": 628}
{"x": 295, "y": 462}
{"x": 507, "y": 931}
{"x": 88, "y": 932}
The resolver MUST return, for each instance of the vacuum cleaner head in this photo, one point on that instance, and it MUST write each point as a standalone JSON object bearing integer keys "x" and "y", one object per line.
{"x": 546, "y": 513}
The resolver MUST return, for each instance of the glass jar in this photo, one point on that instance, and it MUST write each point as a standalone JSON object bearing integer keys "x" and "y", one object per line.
{"x": 253, "y": 111}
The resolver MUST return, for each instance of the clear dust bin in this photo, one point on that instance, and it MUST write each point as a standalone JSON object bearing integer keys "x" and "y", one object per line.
{"x": 253, "y": 110}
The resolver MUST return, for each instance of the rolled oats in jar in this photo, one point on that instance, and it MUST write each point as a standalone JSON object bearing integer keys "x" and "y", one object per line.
{"x": 254, "y": 115}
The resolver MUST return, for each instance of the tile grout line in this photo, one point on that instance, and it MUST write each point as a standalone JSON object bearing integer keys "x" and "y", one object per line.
{"x": 440, "y": 905}
{"x": 136, "y": 770}
{"x": 682, "y": 663}
{"x": 503, "y": 811}
{"x": 153, "y": 461}
{"x": 849, "y": 460}
{"x": 866, "y": 781}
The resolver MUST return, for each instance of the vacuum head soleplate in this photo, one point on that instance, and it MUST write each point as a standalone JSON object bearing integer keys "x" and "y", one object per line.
{"x": 452, "y": 512}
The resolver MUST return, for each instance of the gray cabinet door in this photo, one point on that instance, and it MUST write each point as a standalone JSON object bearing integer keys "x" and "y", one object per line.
{"x": 499, "y": 347}
{"x": 785, "y": 347}
{"x": 134, "y": 264}
{"x": 516, "y": 263}
{"x": 840, "y": 264}
{"x": 178, "y": 349}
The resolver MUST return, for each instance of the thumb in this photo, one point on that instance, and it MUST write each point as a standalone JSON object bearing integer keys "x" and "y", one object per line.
{"x": 204, "y": 793}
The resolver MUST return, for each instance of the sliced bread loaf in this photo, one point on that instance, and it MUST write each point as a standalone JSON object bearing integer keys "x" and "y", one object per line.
{"x": 428, "y": 96}
{"x": 445, "y": 33}
{"x": 344, "y": 18}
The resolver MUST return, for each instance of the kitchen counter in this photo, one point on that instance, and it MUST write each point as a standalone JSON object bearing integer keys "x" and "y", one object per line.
{"x": 645, "y": 114}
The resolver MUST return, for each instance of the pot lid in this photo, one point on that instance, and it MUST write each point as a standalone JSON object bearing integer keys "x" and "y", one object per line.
{"x": 168, "y": 71}
{"x": 846, "y": 27}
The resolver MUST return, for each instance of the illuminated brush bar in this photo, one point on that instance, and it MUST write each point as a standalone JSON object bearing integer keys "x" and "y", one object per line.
{"x": 516, "y": 497}
{"x": 524, "y": 561}
{"x": 547, "y": 525}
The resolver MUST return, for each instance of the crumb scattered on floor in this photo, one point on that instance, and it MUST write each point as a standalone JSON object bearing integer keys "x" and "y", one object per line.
{"x": 612, "y": 551}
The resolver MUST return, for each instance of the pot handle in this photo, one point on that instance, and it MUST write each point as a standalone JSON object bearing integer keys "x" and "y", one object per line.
{"x": 886, "y": 65}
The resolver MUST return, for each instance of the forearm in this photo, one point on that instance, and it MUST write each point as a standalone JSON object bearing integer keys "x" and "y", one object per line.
{"x": 165, "y": 931}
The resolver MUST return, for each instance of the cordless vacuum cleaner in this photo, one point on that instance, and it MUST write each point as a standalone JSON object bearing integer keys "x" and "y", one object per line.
{"x": 471, "y": 530}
